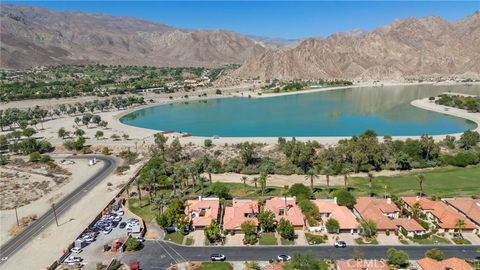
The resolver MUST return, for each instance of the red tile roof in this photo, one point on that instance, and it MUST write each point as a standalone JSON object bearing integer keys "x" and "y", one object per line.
{"x": 235, "y": 215}
{"x": 293, "y": 214}
{"x": 450, "y": 264}
{"x": 342, "y": 214}
{"x": 210, "y": 207}
{"x": 410, "y": 225}
{"x": 375, "y": 209}
{"x": 468, "y": 206}
{"x": 446, "y": 215}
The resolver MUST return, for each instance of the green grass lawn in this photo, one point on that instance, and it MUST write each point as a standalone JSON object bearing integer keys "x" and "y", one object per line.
{"x": 461, "y": 241}
{"x": 314, "y": 239}
{"x": 189, "y": 241}
{"x": 215, "y": 266}
{"x": 146, "y": 211}
{"x": 434, "y": 239}
{"x": 361, "y": 241}
{"x": 437, "y": 182}
{"x": 286, "y": 242}
{"x": 322, "y": 266}
{"x": 268, "y": 239}
{"x": 175, "y": 237}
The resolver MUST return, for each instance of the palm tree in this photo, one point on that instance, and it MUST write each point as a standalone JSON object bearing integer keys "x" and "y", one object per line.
{"x": 255, "y": 182}
{"x": 174, "y": 180}
{"x": 159, "y": 203}
{"x": 285, "y": 194}
{"x": 139, "y": 191}
{"x": 346, "y": 170}
{"x": 327, "y": 171}
{"x": 421, "y": 178}
{"x": 311, "y": 174}
{"x": 460, "y": 225}
{"x": 416, "y": 210}
{"x": 244, "y": 180}
{"x": 370, "y": 183}
{"x": 152, "y": 181}
{"x": 263, "y": 182}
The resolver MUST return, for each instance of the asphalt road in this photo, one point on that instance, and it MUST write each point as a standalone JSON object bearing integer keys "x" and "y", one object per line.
{"x": 160, "y": 255}
{"x": 17, "y": 242}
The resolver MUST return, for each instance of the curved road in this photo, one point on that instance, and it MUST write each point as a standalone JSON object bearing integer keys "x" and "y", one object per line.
{"x": 11, "y": 246}
{"x": 160, "y": 254}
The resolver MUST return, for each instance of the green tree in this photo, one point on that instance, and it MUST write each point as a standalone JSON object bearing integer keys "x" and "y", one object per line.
{"x": 62, "y": 133}
{"x": 220, "y": 190}
{"x": 266, "y": 221}
{"x": 469, "y": 139}
{"x": 460, "y": 225}
{"x": 133, "y": 244}
{"x": 421, "y": 178}
{"x": 311, "y": 174}
{"x": 300, "y": 191}
{"x": 397, "y": 257}
{"x": 286, "y": 229}
{"x": 307, "y": 261}
{"x": 29, "y": 132}
{"x": 435, "y": 254}
{"x": 244, "y": 180}
{"x": 98, "y": 134}
{"x": 345, "y": 198}
{"x": 368, "y": 228}
{"x": 332, "y": 225}
{"x": 212, "y": 232}
{"x": 250, "y": 230}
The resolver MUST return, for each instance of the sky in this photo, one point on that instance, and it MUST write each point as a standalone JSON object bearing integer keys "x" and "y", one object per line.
{"x": 289, "y": 20}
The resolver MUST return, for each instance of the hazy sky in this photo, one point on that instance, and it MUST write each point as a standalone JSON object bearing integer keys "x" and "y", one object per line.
{"x": 273, "y": 19}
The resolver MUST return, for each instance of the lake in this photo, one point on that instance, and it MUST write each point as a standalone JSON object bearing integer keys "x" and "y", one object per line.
{"x": 341, "y": 112}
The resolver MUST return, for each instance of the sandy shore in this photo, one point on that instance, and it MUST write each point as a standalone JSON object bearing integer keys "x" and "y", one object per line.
{"x": 141, "y": 137}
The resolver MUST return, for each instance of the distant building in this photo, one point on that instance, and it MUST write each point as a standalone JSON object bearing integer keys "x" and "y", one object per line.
{"x": 468, "y": 207}
{"x": 448, "y": 264}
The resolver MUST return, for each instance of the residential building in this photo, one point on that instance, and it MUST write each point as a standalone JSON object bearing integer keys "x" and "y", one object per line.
{"x": 440, "y": 213}
{"x": 468, "y": 207}
{"x": 361, "y": 265}
{"x": 202, "y": 211}
{"x": 286, "y": 208}
{"x": 238, "y": 212}
{"x": 330, "y": 209}
{"x": 386, "y": 216}
{"x": 448, "y": 264}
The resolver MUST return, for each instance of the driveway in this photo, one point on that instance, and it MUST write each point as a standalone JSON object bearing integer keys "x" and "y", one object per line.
{"x": 234, "y": 240}
{"x": 301, "y": 240}
{"x": 388, "y": 240}
{"x": 198, "y": 237}
{"x": 472, "y": 238}
{"x": 347, "y": 237}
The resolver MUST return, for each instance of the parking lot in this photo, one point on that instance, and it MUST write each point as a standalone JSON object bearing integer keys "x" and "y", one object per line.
{"x": 111, "y": 227}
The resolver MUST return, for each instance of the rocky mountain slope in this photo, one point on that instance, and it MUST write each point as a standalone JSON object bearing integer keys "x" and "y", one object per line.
{"x": 33, "y": 36}
{"x": 410, "y": 48}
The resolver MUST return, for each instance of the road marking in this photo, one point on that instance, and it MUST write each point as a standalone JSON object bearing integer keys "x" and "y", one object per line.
{"x": 158, "y": 242}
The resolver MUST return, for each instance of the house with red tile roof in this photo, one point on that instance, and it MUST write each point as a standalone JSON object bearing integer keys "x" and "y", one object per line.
{"x": 238, "y": 212}
{"x": 448, "y": 264}
{"x": 330, "y": 209}
{"x": 202, "y": 211}
{"x": 386, "y": 215}
{"x": 468, "y": 207}
{"x": 361, "y": 265}
{"x": 286, "y": 208}
{"x": 440, "y": 213}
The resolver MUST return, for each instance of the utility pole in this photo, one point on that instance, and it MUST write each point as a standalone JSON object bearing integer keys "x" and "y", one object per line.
{"x": 55, "y": 213}
{"x": 16, "y": 215}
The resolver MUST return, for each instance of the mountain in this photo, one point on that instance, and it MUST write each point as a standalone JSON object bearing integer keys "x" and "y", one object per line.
{"x": 405, "y": 49}
{"x": 32, "y": 36}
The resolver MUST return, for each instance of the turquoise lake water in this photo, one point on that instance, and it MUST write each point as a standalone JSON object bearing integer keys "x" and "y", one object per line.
{"x": 342, "y": 112}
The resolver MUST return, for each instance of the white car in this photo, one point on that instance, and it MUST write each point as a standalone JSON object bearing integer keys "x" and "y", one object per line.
{"x": 119, "y": 212}
{"x": 89, "y": 239}
{"x": 117, "y": 219}
{"x": 107, "y": 230}
{"x": 283, "y": 258}
{"x": 73, "y": 259}
{"x": 76, "y": 250}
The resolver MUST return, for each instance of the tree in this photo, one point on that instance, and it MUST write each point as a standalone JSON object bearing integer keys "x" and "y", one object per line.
{"x": 220, "y": 190}
{"x": 397, "y": 257}
{"x": 327, "y": 170}
{"x": 266, "y": 221}
{"x": 133, "y": 244}
{"x": 368, "y": 228}
{"x": 247, "y": 153}
{"x": 250, "y": 230}
{"x": 263, "y": 182}
{"x": 307, "y": 261}
{"x": 421, "y": 178}
{"x": 311, "y": 174}
{"x": 416, "y": 209}
{"x": 159, "y": 203}
{"x": 286, "y": 229}
{"x": 460, "y": 225}
{"x": 208, "y": 143}
{"x": 98, "y": 134}
{"x": 62, "y": 133}
{"x": 255, "y": 182}
{"x": 244, "y": 180}
{"x": 29, "y": 132}
{"x": 79, "y": 132}
{"x": 469, "y": 139}
{"x": 300, "y": 191}
{"x": 332, "y": 225}
{"x": 160, "y": 144}
{"x": 370, "y": 183}
{"x": 212, "y": 231}
{"x": 435, "y": 254}
{"x": 345, "y": 198}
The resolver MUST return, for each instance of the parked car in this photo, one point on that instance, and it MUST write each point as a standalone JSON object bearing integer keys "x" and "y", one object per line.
{"x": 119, "y": 212}
{"x": 218, "y": 257}
{"x": 117, "y": 219}
{"x": 73, "y": 259}
{"x": 76, "y": 250}
{"x": 170, "y": 229}
{"x": 283, "y": 258}
{"x": 107, "y": 230}
{"x": 122, "y": 225}
{"x": 340, "y": 244}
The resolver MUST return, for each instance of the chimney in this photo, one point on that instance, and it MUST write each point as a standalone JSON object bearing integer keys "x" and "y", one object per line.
{"x": 418, "y": 198}
{"x": 199, "y": 198}
{"x": 335, "y": 200}
{"x": 233, "y": 201}
{"x": 389, "y": 200}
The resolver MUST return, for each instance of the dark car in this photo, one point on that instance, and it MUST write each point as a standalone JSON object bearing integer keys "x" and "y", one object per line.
{"x": 171, "y": 229}
{"x": 218, "y": 257}
{"x": 122, "y": 225}
{"x": 340, "y": 244}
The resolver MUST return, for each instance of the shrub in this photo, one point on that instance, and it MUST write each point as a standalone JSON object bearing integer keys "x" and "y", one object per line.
{"x": 397, "y": 257}
{"x": 332, "y": 225}
{"x": 435, "y": 254}
{"x": 266, "y": 221}
{"x": 208, "y": 143}
{"x": 345, "y": 198}
{"x": 285, "y": 229}
{"x": 35, "y": 157}
{"x": 300, "y": 191}
{"x": 220, "y": 190}
{"x": 133, "y": 244}
{"x": 105, "y": 151}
